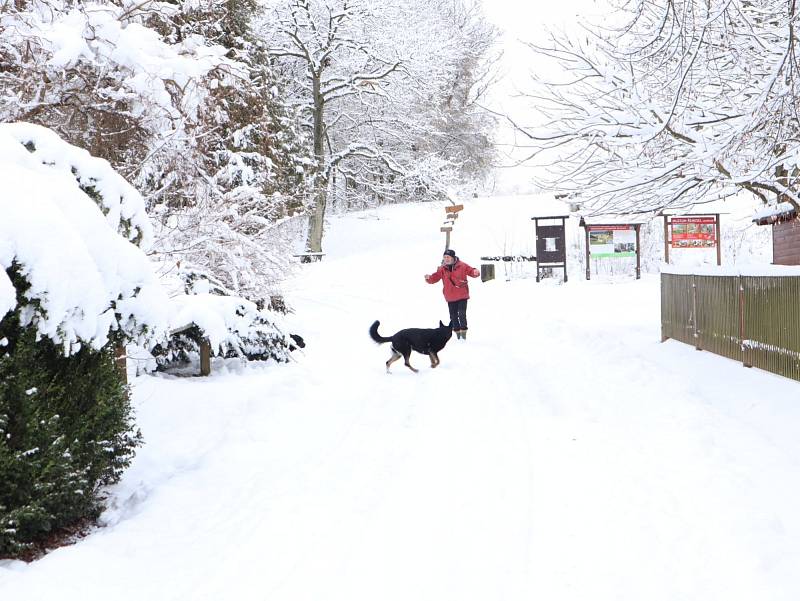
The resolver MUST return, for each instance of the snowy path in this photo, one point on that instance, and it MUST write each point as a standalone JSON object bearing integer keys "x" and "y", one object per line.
{"x": 561, "y": 453}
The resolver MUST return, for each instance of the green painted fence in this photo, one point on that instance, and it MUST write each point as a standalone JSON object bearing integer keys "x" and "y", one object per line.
{"x": 753, "y": 319}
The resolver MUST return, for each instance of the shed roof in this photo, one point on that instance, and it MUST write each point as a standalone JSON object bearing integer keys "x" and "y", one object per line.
{"x": 783, "y": 211}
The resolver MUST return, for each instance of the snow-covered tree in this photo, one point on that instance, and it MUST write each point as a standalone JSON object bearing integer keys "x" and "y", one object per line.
{"x": 389, "y": 93}
{"x": 181, "y": 101}
{"x": 685, "y": 101}
{"x": 236, "y": 222}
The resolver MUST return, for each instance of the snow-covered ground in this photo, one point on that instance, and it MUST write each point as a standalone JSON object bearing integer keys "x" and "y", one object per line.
{"x": 560, "y": 453}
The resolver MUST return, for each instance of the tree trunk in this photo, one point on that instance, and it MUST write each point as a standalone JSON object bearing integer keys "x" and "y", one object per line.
{"x": 316, "y": 221}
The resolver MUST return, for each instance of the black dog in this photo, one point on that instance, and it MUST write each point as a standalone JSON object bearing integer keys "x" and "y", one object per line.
{"x": 426, "y": 341}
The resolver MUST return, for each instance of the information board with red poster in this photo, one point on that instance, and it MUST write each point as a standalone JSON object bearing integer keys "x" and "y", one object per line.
{"x": 693, "y": 232}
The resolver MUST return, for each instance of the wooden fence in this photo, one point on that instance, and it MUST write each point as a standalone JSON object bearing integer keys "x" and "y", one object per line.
{"x": 752, "y": 319}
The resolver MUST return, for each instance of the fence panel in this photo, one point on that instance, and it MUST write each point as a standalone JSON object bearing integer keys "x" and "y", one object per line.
{"x": 771, "y": 338}
{"x": 718, "y": 315}
{"x": 754, "y": 319}
{"x": 677, "y": 313}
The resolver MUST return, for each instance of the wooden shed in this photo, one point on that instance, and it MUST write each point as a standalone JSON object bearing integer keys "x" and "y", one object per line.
{"x": 785, "y": 232}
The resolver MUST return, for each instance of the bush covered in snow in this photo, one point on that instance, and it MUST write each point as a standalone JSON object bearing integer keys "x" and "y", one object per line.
{"x": 73, "y": 283}
{"x": 72, "y": 225}
{"x": 234, "y": 326}
{"x": 65, "y": 429}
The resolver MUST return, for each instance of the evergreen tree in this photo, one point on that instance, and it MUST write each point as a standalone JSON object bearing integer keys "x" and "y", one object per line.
{"x": 66, "y": 430}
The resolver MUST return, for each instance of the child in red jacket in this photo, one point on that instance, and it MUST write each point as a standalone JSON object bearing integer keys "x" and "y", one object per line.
{"x": 453, "y": 273}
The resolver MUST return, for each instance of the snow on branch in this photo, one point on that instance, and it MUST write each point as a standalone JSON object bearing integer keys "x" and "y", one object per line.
{"x": 683, "y": 101}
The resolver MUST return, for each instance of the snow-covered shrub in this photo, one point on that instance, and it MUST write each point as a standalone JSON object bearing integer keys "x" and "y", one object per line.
{"x": 234, "y": 326}
{"x": 73, "y": 283}
{"x": 65, "y": 431}
{"x": 72, "y": 225}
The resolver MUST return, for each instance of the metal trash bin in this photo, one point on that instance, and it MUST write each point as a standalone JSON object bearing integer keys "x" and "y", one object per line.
{"x": 487, "y": 272}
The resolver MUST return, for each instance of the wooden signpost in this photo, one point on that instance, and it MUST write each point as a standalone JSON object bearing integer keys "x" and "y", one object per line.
{"x": 451, "y": 214}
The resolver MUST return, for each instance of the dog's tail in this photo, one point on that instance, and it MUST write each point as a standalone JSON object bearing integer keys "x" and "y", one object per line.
{"x": 373, "y": 333}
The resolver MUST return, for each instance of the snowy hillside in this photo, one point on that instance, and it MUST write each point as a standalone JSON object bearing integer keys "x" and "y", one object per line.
{"x": 560, "y": 453}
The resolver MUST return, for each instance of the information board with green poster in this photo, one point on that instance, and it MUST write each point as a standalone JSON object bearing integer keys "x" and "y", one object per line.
{"x": 615, "y": 241}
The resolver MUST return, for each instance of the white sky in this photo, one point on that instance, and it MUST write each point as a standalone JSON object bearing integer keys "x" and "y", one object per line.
{"x": 524, "y": 22}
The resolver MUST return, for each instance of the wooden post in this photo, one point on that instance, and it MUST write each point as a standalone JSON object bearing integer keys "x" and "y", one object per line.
{"x": 120, "y": 360}
{"x": 666, "y": 239}
{"x": 588, "y": 256}
{"x": 694, "y": 315}
{"x": 564, "y": 226}
{"x": 665, "y": 292}
{"x": 719, "y": 238}
{"x": 536, "y": 243}
{"x": 446, "y": 230}
{"x": 205, "y": 357}
{"x": 742, "y": 330}
{"x": 638, "y": 253}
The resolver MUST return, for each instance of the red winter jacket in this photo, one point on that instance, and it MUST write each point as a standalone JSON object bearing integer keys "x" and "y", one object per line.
{"x": 455, "y": 280}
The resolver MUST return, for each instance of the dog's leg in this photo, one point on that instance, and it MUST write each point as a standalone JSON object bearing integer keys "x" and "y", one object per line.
{"x": 407, "y": 362}
{"x": 434, "y": 359}
{"x": 395, "y": 356}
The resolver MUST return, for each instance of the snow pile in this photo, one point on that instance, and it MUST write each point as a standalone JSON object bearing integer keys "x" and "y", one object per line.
{"x": 69, "y": 228}
{"x": 740, "y": 269}
{"x": 120, "y": 202}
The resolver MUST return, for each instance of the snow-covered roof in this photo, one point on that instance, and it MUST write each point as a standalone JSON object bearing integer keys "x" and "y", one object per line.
{"x": 774, "y": 213}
